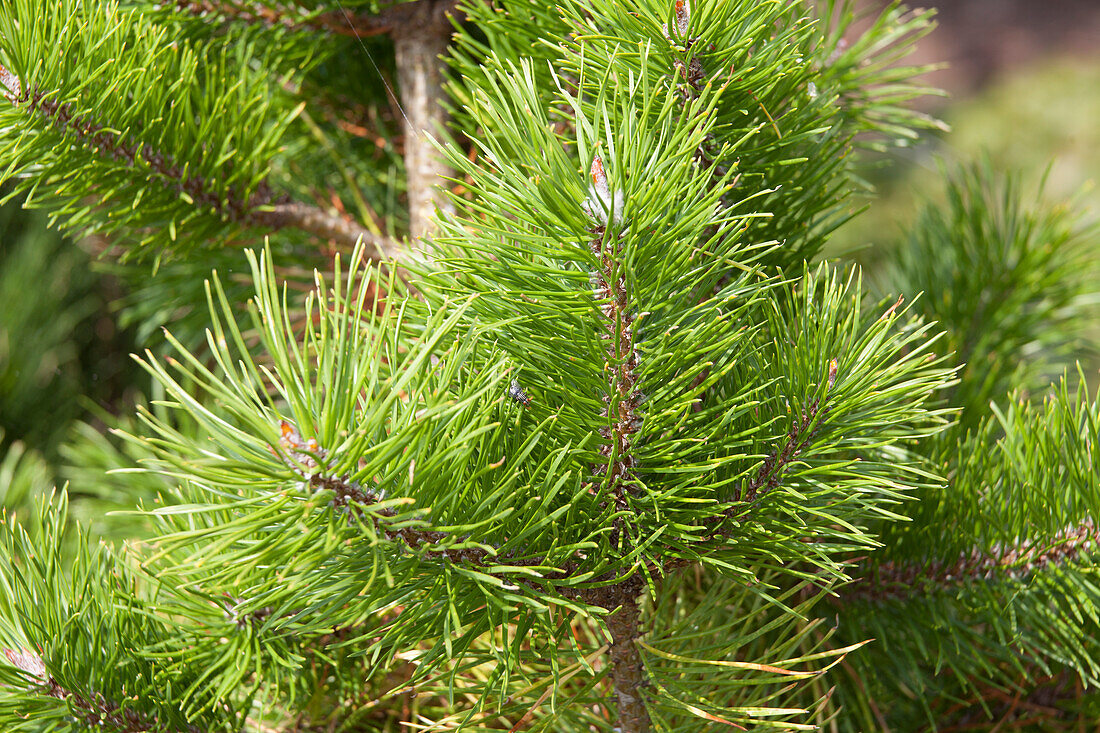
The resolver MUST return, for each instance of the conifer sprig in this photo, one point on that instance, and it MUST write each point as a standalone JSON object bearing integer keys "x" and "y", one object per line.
{"x": 797, "y": 90}
{"x": 75, "y": 632}
{"x": 1011, "y": 279}
{"x": 379, "y": 436}
{"x": 180, "y": 165}
{"x": 864, "y": 76}
{"x": 615, "y": 232}
{"x": 992, "y": 577}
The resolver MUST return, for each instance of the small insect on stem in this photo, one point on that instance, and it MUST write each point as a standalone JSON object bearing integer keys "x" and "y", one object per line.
{"x": 515, "y": 391}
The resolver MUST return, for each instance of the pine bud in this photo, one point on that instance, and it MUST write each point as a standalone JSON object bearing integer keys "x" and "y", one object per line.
{"x": 12, "y": 89}
{"x": 682, "y": 13}
{"x": 601, "y": 202}
{"x": 27, "y": 661}
{"x": 303, "y": 451}
{"x": 681, "y": 17}
{"x": 599, "y": 177}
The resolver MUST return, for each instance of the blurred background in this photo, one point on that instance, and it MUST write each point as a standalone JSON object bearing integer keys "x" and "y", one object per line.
{"x": 1022, "y": 83}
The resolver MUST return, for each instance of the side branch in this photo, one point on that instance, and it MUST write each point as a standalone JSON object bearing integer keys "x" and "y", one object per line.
{"x": 94, "y": 711}
{"x": 421, "y": 34}
{"x": 772, "y": 470}
{"x": 897, "y": 581}
{"x": 262, "y": 209}
{"x": 311, "y": 219}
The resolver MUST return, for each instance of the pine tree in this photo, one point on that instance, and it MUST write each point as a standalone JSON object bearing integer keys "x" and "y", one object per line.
{"x": 589, "y": 438}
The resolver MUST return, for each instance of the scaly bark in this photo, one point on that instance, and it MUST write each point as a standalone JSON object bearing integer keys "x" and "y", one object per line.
{"x": 627, "y": 671}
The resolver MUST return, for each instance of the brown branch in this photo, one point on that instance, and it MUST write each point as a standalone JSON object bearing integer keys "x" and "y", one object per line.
{"x": 421, "y": 34}
{"x": 257, "y": 14}
{"x": 897, "y": 581}
{"x": 402, "y": 18}
{"x": 93, "y": 711}
{"x": 308, "y": 459}
{"x": 163, "y": 166}
{"x": 353, "y": 496}
{"x": 308, "y": 218}
{"x": 616, "y": 309}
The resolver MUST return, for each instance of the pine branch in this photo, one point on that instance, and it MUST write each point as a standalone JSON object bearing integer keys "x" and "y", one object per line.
{"x": 618, "y": 312}
{"x": 770, "y": 474}
{"x": 351, "y": 495}
{"x": 108, "y": 144}
{"x": 79, "y": 640}
{"x": 185, "y": 163}
{"x": 93, "y": 711}
{"x": 262, "y": 209}
{"x": 898, "y": 580}
{"x": 421, "y": 32}
{"x": 1010, "y": 276}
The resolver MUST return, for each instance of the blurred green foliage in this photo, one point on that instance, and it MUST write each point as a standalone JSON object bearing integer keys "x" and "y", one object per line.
{"x": 61, "y": 355}
{"x": 58, "y": 342}
{"x": 1042, "y": 116}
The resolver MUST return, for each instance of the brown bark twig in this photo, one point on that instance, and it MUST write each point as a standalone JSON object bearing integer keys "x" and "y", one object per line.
{"x": 628, "y": 672}
{"x": 421, "y": 33}
{"x": 311, "y": 219}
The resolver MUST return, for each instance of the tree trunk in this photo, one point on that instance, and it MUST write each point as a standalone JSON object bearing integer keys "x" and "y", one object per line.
{"x": 419, "y": 42}
{"x": 627, "y": 671}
